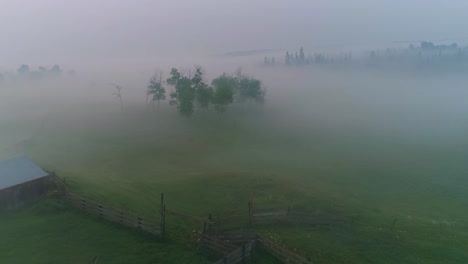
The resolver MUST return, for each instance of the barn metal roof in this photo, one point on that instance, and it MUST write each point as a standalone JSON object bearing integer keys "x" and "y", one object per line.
{"x": 18, "y": 170}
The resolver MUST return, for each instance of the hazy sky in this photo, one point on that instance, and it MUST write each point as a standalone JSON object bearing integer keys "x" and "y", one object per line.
{"x": 35, "y": 30}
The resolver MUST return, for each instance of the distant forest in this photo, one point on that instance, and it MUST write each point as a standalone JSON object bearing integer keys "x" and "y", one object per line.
{"x": 24, "y": 71}
{"x": 426, "y": 56}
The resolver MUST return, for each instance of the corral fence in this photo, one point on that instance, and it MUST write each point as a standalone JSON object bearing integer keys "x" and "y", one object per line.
{"x": 255, "y": 216}
{"x": 117, "y": 215}
{"x": 283, "y": 254}
{"x": 233, "y": 246}
{"x": 236, "y": 246}
{"x": 251, "y": 218}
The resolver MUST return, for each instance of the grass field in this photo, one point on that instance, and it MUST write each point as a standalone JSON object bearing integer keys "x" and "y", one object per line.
{"x": 49, "y": 232}
{"x": 213, "y": 163}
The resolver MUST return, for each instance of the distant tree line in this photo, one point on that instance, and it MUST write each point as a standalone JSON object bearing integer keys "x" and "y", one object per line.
{"x": 300, "y": 58}
{"x": 426, "y": 56}
{"x": 24, "y": 71}
{"x": 190, "y": 91}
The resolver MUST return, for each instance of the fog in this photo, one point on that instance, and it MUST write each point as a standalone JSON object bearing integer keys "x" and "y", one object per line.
{"x": 73, "y": 32}
{"x": 419, "y": 108}
{"x": 378, "y": 103}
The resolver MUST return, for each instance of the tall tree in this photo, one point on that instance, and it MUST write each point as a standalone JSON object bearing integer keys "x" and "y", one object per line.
{"x": 204, "y": 93}
{"x": 23, "y": 69}
{"x": 223, "y": 94}
{"x": 118, "y": 94}
{"x": 251, "y": 89}
{"x": 183, "y": 94}
{"x": 301, "y": 56}
{"x": 56, "y": 69}
{"x": 287, "y": 58}
{"x": 156, "y": 89}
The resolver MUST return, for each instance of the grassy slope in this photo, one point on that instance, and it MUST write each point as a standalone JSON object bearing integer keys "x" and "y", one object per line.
{"x": 212, "y": 164}
{"x": 49, "y": 233}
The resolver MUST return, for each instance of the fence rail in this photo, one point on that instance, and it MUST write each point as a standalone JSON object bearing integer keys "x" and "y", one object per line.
{"x": 283, "y": 254}
{"x": 190, "y": 217}
{"x": 238, "y": 255}
{"x": 217, "y": 245}
{"x": 115, "y": 215}
{"x": 234, "y": 246}
{"x": 237, "y": 237}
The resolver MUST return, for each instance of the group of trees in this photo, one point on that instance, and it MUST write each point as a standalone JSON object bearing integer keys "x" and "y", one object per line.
{"x": 296, "y": 58}
{"x": 425, "y": 56}
{"x": 301, "y": 59}
{"x": 25, "y": 71}
{"x": 41, "y": 72}
{"x": 190, "y": 91}
{"x": 426, "y": 45}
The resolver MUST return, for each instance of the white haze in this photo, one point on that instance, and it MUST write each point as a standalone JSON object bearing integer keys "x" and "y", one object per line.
{"x": 124, "y": 42}
{"x": 77, "y": 33}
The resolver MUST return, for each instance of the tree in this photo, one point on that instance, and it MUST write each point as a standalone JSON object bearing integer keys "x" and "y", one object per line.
{"x": 204, "y": 93}
{"x": 223, "y": 94}
{"x": 23, "y": 69}
{"x": 301, "y": 56}
{"x": 273, "y": 60}
{"x": 287, "y": 58}
{"x": 156, "y": 89}
{"x": 56, "y": 69}
{"x": 118, "y": 94}
{"x": 204, "y": 96}
{"x": 427, "y": 45}
{"x": 183, "y": 94}
{"x": 251, "y": 89}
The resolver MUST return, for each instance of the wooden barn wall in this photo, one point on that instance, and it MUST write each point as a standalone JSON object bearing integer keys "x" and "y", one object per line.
{"x": 20, "y": 194}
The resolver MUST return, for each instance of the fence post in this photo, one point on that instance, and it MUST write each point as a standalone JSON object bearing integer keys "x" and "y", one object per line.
{"x": 164, "y": 223}
{"x": 210, "y": 218}
{"x": 250, "y": 212}
{"x": 243, "y": 252}
{"x": 162, "y": 216}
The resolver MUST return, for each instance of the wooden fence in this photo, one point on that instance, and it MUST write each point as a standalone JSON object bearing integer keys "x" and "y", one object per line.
{"x": 217, "y": 245}
{"x": 232, "y": 253}
{"x": 237, "y": 255}
{"x": 259, "y": 216}
{"x": 234, "y": 246}
{"x": 236, "y": 237}
{"x": 283, "y": 254}
{"x": 116, "y": 215}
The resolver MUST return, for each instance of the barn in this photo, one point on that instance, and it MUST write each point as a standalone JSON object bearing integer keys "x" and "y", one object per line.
{"x": 21, "y": 182}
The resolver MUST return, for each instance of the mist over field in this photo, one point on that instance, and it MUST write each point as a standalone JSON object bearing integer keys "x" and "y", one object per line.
{"x": 348, "y": 110}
